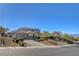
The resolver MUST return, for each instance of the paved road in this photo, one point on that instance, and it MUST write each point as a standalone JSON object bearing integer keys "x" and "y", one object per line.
{"x": 73, "y": 51}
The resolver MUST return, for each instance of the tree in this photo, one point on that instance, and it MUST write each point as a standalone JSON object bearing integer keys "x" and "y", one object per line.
{"x": 44, "y": 35}
{"x": 76, "y": 38}
{"x": 2, "y": 34}
{"x": 3, "y": 30}
{"x": 57, "y": 35}
{"x": 68, "y": 38}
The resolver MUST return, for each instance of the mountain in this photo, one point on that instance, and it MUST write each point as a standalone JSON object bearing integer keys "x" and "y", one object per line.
{"x": 75, "y": 35}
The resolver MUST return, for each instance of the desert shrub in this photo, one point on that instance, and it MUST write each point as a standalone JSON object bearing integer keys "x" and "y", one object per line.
{"x": 10, "y": 43}
{"x": 21, "y": 43}
{"x": 7, "y": 42}
{"x": 43, "y": 39}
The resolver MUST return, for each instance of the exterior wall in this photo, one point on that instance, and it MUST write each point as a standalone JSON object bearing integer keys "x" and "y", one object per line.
{"x": 25, "y": 36}
{"x": 20, "y": 36}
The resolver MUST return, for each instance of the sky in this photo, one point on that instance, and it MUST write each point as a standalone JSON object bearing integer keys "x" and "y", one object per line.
{"x": 47, "y": 17}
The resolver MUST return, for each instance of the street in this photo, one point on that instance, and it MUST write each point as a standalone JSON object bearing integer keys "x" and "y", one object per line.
{"x": 72, "y": 51}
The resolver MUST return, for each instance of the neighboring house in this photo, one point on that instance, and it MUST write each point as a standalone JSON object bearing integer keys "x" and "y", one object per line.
{"x": 25, "y": 33}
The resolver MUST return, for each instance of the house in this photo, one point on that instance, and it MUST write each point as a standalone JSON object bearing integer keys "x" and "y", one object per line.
{"x": 25, "y": 33}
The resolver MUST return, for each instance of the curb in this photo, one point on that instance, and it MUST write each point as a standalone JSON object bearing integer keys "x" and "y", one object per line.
{"x": 68, "y": 46}
{"x": 63, "y": 46}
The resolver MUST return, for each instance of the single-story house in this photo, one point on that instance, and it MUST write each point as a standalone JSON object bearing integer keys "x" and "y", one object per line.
{"x": 26, "y": 33}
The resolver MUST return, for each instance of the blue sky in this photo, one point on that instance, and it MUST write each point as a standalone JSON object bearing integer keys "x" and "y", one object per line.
{"x": 48, "y": 17}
